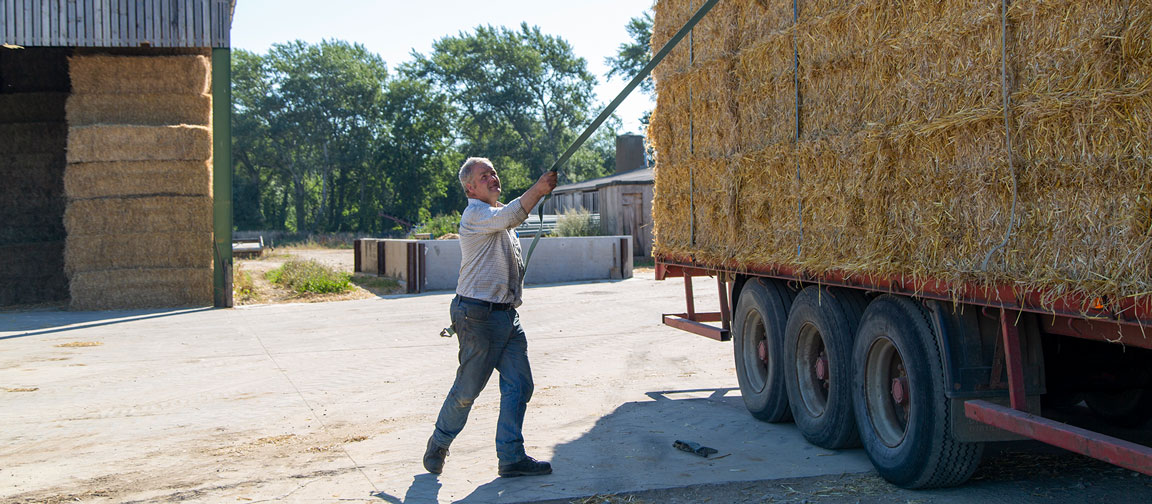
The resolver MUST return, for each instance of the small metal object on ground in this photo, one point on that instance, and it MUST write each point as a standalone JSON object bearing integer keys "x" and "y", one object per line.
{"x": 693, "y": 448}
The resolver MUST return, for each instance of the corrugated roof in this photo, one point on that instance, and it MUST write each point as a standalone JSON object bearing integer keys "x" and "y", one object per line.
{"x": 116, "y": 23}
{"x": 643, "y": 176}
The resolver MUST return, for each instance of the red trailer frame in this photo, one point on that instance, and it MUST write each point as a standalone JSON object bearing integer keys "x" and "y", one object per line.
{"x": 1073, "y": 316}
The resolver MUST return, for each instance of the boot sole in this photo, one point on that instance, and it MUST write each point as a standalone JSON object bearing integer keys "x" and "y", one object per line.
{"x": 516, "y": 474}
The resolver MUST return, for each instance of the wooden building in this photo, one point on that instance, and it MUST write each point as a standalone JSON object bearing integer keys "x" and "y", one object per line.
{"x": 623, "y": 200}
{"x": 119, "y": 172}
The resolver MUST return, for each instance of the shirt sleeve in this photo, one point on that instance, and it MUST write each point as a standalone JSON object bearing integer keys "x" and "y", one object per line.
{"x": 479, "y": 219}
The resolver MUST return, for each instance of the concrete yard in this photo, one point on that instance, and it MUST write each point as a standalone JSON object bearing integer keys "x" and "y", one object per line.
{"x": 334, "y": 401}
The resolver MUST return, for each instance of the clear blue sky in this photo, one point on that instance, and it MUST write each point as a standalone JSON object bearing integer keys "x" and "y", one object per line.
{"x": 393, "y": 29}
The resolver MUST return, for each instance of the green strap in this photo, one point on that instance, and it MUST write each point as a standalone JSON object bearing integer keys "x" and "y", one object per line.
{"x": 704, "y": 9}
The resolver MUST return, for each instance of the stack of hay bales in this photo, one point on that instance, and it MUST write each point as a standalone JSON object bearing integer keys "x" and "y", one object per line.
{"x": 900, "y": 164}
{"x": 33, "y": 87}
{"x": 138, "y": 182}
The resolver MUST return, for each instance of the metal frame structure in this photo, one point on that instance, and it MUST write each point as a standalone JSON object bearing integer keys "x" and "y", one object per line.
{"x": 1073, "y": 316}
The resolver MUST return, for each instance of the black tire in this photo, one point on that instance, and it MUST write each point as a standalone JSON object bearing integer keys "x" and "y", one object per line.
{"x": 822, "y": 327}
{"x": 760, "y": 316}
{"x": 910, "y": 444}
{"x": 1128, "y": 408}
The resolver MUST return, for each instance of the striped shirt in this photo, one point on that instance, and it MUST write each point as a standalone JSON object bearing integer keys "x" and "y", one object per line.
{"x": 491, "y": 268}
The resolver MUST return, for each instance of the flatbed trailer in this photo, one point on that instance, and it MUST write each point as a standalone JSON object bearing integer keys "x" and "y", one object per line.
{"x": 921, "y": 372}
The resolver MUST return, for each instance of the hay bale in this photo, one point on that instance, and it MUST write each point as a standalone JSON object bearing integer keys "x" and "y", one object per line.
{"x": 34, "y": 69}
{"x": 96, "y": 143}
{"x": 144, "y": 214}
{"x": 33, "y": 290}
{"x": 32, "y": 138}
{"x": 139, "y": 109}
{"x": 24, "y": 260}
{"x": 138, "y": 178}
{"x": 103, "y": 74}
{"x": 32, "y": 107}
{"x": 138, "y": 250}
{"x": 32, "y": 175}
{"x": 140, "y": 288}
{"x": 901, "y": 166}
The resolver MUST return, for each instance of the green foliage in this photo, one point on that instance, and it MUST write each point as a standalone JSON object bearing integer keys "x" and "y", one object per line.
{"x": 576, "y": 222}
{"x": 521, "y": 98}
{"x": 310, "y": 277}
{"x": 440, "y": 224}
{"x": 633, "y": 55}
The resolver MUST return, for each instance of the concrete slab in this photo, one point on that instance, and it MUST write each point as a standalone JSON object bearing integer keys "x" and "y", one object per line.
{"x": 334, "y": 401}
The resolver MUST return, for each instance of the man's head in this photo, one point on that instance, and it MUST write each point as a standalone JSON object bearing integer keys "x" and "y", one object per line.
{"x": 479, "y": 179}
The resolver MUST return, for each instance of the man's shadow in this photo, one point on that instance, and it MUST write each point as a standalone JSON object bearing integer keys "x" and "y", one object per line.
{"x": 425, "y": 489}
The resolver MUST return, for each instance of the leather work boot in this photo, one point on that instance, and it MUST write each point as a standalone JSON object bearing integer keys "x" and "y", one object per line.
{"x": 527, "y": 466}
{"x": 434, "y": 457}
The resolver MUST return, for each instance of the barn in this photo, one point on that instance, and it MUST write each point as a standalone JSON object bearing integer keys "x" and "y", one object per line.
{"x": 623, "y": 200}
{"x": 116, "y": 160}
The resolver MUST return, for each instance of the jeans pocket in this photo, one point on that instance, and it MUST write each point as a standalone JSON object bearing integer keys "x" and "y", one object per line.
{"x": 477, "y": 313}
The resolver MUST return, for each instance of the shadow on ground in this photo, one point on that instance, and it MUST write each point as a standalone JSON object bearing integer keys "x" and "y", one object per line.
{"x": 54, "y": 321}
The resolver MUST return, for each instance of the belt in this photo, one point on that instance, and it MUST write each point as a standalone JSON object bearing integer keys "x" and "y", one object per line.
{"x": 488, "y": 304}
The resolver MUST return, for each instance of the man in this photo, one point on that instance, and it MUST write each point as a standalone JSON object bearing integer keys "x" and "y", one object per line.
{"x": 484, "y": 317}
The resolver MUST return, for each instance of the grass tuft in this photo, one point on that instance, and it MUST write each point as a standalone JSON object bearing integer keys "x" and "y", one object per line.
{"x": 310, "y": 277}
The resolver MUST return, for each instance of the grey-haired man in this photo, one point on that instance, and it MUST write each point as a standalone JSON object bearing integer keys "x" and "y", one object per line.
{"x": 486, "y": 322}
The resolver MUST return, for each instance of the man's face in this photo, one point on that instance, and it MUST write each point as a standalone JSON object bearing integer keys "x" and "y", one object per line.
{"x": 485, "y": 184}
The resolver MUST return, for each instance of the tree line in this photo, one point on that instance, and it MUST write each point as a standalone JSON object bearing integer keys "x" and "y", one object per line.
{"x": 326, "y": 138}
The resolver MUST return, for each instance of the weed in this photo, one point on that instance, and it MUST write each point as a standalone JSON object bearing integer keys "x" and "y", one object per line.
{"x": 309, "y": 276}
{"x": 576, "y": 222}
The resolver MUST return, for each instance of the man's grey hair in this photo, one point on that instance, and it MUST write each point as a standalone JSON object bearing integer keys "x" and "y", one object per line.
{"x": 466, "y": 169}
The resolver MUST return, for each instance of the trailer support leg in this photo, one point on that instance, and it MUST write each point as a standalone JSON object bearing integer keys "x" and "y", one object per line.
{"x": 688, "y": 296}
{"x": 1013, "y": 360}
{"x": 725, "y": 313}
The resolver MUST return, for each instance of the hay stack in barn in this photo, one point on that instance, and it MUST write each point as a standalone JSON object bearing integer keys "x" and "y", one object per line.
{"x": 138, "y": 182}
{"x": 33, "y": 88}
{"x": 891, "y": 155}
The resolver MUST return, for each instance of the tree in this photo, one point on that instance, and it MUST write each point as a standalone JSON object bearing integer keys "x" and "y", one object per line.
{"x": 632, "y": 56}
{"x": 521, "y": 96}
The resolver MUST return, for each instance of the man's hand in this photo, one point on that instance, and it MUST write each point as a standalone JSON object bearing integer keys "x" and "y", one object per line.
{"x": 546, "y": 183}
{"x": 543, "y": 186}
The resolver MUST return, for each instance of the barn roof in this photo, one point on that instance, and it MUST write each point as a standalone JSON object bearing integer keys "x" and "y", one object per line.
{"x": 644, "y": 176}
{"x": 116, "y": 23}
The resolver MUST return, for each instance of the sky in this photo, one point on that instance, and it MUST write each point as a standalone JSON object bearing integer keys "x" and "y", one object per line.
{"x": 393, "y": 29}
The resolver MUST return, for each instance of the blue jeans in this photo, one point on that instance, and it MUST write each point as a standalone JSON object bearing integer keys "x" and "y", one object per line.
{"x": 489, "y": 339}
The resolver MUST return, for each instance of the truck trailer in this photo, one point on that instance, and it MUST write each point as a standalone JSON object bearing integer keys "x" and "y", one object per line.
{"x": 930, "y": 223}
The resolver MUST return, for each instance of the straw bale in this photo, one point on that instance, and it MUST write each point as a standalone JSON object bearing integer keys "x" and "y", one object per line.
{"x": 32, "y": 260}
{"x": 31, "y": 290}
{"x": 138, "y": 178}
{"x": 34, "y": 69}
{"x": 716, "y": 36}
{"x": 32, "y": 107}
{"x": 138, "y": 250}
{"x": 103, "y": 74}
{"x": 139, "y": 109}
{"x": 140, "y": 288}
{"x": 32, "y": 228}
{"x": 902, "y": 166}
{"x": 138, "y": 143}
{"x": 32, "y": 138}
{"x": 148, "y": 214}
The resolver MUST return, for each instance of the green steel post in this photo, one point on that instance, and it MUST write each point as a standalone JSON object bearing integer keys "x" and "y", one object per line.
{"x": 222, "y": 176}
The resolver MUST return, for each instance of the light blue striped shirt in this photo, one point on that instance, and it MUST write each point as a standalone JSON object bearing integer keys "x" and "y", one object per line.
{"x": 491, "y": 268}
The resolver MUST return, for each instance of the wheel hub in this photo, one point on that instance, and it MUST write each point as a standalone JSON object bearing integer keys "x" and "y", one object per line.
{"x": 900, "y": 390}
{"x": 762, "y": 351}
{"x": 822, "y": 367}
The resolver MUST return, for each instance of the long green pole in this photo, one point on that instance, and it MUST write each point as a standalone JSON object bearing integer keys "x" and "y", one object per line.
{"x": 656, "y": 59}
{"x": 222, "y": 177}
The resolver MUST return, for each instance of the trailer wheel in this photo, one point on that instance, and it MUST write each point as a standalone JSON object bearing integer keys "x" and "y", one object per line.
{"x": 818, "y": 364}
{"x": 901, "y": 410}
{"x": 758, "y": 340}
